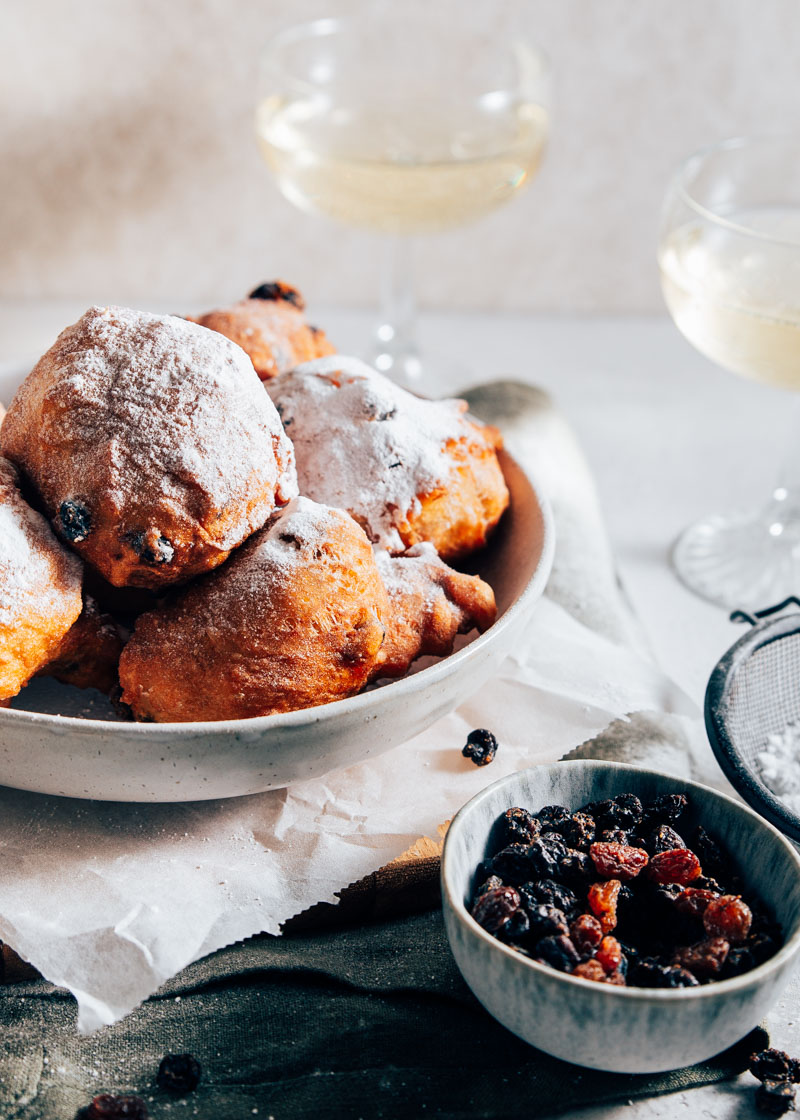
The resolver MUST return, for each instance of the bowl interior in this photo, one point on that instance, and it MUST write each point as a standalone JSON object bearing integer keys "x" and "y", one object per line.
{"x": 767, "y": 863}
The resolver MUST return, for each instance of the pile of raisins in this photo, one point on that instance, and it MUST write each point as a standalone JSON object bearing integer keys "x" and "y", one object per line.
{"x": 613, "y": 893}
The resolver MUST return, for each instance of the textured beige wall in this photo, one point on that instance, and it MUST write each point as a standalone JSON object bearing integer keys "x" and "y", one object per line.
{"x": 128, "y": 169}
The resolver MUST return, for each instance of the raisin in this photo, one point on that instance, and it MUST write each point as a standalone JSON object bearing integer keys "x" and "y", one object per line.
{"x": 547, "y": 921}
{"x": 516, "y": 928}
{"x": 546, "y": 857}
{"x": 490, "y": 884}
{"x": 518, "y": 826}
{"x": 762, "y": 946}
{"x": 579, "y": 831}
{"x": 775, "y": 1065}
{"x": 576, "y": 868}
{"x": 551, "y": 893}
{"x": 552, "y": 817}
{"x": 75, "y": 521}
{"x": 678, "y": 865}
{"x": 663, "y": 838}
{"x": 711, "y": 854}
{"x": 586, "y": 933}
{"x": 728, "y": 916}
{"x": 559, "y": 952}
{"x": 693, "y": 901}
{"x": 609, "y": 954}
{"x": 706, "y": 958}
{"x": 150, "y": 546}
{"x": 706, "y": 883}
{"x": 493, "y": 909}
{"x": 624, "y": 811}
{"x": 513, "y": 864}
{"x": 666, "y": 809}
{"x": 278, "y": 291}
{"x": 178, "y": 1073}
{"x": 590, "y": 970}
{"x": 775, "y": 1097}
{"x": 107, "y": 1107}
{"x": 652, "y": 974}
{"x": 480, "y": 747}
{"x": 617, "y": 978}
{"x": 738, "y": 961}
{"x": 618, "y": 861}
{"x": 615, "y": 836}
{"x": 603, "y": 903}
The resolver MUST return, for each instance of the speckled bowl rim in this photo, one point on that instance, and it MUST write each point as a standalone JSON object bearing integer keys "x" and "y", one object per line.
{"x": 749, "y": 979}
{"x": 363, "y": 702}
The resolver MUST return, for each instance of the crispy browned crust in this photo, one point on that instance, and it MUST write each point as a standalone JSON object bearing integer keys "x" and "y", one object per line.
{"x": 88, "y": 656}
{"x": 257, "y": 637}
{"x": 272, "y": 331}
{"x": 460, "y": 517}
{"x": 429, "y": 604}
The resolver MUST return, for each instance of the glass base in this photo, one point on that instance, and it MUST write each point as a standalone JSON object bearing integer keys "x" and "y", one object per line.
{"x": 741, "y": 561}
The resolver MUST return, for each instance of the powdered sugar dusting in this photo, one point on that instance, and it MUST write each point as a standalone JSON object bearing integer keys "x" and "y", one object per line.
{"x": 779, "y": 766}
{"x": 38, "y": 576}
{"x": 363, "y": 443}
{"x": 154, "y": 407}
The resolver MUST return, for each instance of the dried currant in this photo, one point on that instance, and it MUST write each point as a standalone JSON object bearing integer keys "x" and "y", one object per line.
{"x": 545, "y": 857}
{"x": 576, "y": 868}
{"x": 547, "y": 921}
{"x": 774, "y": 1064}
{"x": 490, "y": 884}
{"x": 678, "y": 865}
{"x": 150, "y": 546}
{"x": 653, "y": 974}
{"x": 590, "y": 970}
{"x": 728, "y": 916}
{"x": 663, "y": 838}
{"x": 493, "y": 909}
{"x": 624, "y": 811}
{"x": 712, "y": 857}
{"x": 586, "y": 933}
{"x": 552, "y": 817}
{"x": 666, "y": 809}
{"x": 278, "y": 291}
{"x": 579, "y": 831}
{"x": 618, "y": 861}
{"x": 551, "y": 893}
{"x": 559, "y": 952}
{"x": 609, "y": 954}
{"x": 705, "y": 959}
{"x": 513, "y": 864}
{"x": 615, "y": 836}
{"x": 775, "y": 1097}
{"x": 519, "y": 826}
{"x": 179, "y": 1073}
{"x": 75, "y": 521}
{"x": 603, "y": 902}
{"x": 480, "y": 747}
{"x": 516, "y": 928}
{"x": 108, "y": 1107}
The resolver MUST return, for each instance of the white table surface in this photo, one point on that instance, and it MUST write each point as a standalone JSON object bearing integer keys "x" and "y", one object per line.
{"x": 669, "y": 438}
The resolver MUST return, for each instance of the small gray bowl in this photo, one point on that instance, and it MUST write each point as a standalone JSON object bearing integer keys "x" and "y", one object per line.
{"x": 625, "y": 1030}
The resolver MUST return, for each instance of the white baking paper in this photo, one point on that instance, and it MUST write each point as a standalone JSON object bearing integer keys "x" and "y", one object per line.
{"x": 112, "y": 900}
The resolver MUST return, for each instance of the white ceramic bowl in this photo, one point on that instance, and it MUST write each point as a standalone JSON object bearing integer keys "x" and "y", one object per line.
{"x": 44, "y": 749}
{"x": 626, "y": 1030}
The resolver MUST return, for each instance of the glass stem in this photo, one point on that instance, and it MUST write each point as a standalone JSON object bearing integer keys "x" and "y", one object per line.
{"x": 395, "y": 352}
{"x": 784, "y": 510}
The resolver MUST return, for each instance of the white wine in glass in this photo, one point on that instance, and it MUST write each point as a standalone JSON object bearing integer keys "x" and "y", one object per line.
{"x": 403, "y": 123}
{"x": 729, "y": 256}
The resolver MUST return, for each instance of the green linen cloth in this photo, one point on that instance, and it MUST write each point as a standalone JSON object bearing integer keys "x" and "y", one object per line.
{"x": 369, "y": 1022}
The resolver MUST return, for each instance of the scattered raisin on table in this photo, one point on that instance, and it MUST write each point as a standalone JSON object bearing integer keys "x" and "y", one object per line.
{"x": 774, "y": 1064}
{"x": 108, "y": 1107}
{"x": 480, "y": 747}
{"x": 775, "y": 1097}
{"x": 179, "y": 1073}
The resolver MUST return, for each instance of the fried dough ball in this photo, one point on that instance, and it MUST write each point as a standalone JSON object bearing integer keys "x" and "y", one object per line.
{"x": 294, "y": 619}
{"x": 40, "y": 588}
{"x": 271, "y": 328}
{"x": 429, "y": 604}
{"x": 150, "y": 444}
{"x": 408, "y": 470}
{"x": 88, "y": 656}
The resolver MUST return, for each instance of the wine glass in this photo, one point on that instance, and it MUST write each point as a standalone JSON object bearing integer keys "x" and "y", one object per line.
{"x": 403, "y": 122}
{"x": 729, "y": 254}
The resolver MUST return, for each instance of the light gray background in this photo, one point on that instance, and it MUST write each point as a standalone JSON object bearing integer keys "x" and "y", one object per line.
{"x": 129, "y": 172}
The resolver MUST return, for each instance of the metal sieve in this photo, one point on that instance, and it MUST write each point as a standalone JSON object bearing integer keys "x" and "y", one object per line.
{"x": 754, "y": 692}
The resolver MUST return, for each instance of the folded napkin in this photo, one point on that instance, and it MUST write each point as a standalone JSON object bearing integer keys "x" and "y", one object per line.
{"x": 110, "y": 901}
{"x": 365, "y": 1022}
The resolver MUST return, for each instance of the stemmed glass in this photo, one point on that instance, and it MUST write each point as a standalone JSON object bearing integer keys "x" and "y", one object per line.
{"x": 729, "y": 254}
{"x": 403, "y": 122}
